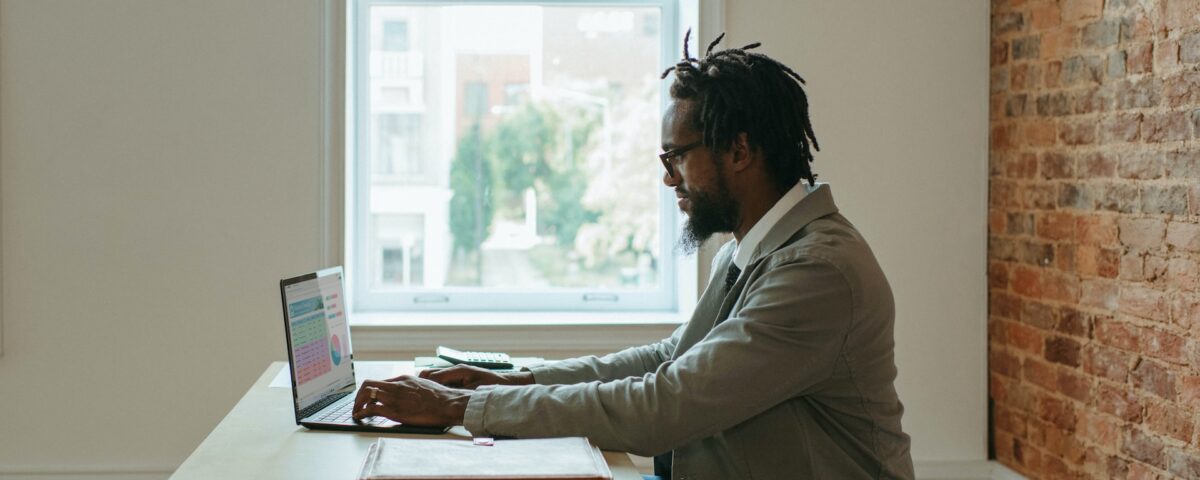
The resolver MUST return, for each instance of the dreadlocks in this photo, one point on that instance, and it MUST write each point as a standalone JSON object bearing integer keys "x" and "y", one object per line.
{"x": 738, "y": 91}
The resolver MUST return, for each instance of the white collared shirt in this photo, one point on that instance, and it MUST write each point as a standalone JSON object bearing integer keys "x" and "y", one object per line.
{"x": 745, "y": 248}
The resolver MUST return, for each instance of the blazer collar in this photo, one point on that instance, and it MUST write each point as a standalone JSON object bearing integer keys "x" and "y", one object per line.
{"x": 818, "y": 203}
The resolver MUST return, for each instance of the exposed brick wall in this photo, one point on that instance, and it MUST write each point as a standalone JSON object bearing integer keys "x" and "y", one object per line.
{"x": 1094, "y": 237}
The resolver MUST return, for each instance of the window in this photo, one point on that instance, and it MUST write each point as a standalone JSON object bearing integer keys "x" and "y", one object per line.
{"x": 505, "y": 156}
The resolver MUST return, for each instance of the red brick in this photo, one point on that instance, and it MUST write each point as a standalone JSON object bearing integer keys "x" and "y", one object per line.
{"x": 1023, "y": 166}
{"x": 997, "y": 275}
{"x": 1142, "y": 233}
{"x": 1183, "y": 273}
{"x": 1001, "y": 193}
{"x": 996, "y": 102}
{"x": 1038, "y": 133}
{"x": 1183, "y": 89}
{"x": 1097, "y": 165}
{"x": 1098, "y": 230}
{"x": 1062, "y": 350}
{"x": 1166, "y": 56}
{"x": 1039, "y": 315}
{"x": 1185, "y": 311}
{"x": 1155, "y": 378}
{"x": 1026, "y": 456}
{"x": 1189, "y": 390}
{"x": 1119, "y": 403}
{"x": 1044, "y": 17}
{"x": 1143, "y": 302}
{"x": 999, "y": 55}
{"x": 1062, "y": 442}
{"x": 1194, "y": 199}
{"x": 1056, "y": 166}
{"x": 997, "y": 221}
{"x": 1073, "y": 322}
{"x": 1109, "y": 363}
{"x": 1058, "y": 286}
{"x": 1183, "y": 164}
{"x": 1095, "y": 99}
{"x": 1101, "y": 294}
{"x": 1132, "y": 266}
{"x": 1057, "y": 412}
{"x": 1142, "y": 165}
{"x": 1077, "y": 133}
{"x": 1038, "y": 196}
{"x": 1141, "y": 471}
{"x": 1041, "y": 374}
{"x": 1121, "y": 128}
{"x": 1181, "y": 14}
{"x": 1053, "y": 69}
{"x": 1074, "y": 385}
{"x": 1076, "y": 10}
{"x": 1056, "y": 226}
{"x": 1162, "y": 345}
{"x": 1001, "y": 138}
{"x": 1094, "y": 261}
{"x": 1139, "y": 58}
{"x": 1064, "y": 257}
{"x": 1025, "y": 77}
{"x": 1024, "y": 338}
{"x": 1166, "y": 127}
{"x": 1004, "y": 305}
{"x": 1116, "y": 467}
{"x": 1183, "y": 464}
{"x": 1027, "y": 281}
{"x": 1184, "y": 236}
{"x": 1117, "y": 334}
{"x": 1166, "y": 419}
{"x": 1164, "y": 199}
{"x": 1098, "y": 429}
{"x": 1142, "y": 447}
{"x": 1143, "y": 93}
{"x": 1004, "y": 363}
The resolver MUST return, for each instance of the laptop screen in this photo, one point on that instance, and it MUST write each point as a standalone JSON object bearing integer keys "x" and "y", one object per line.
{"x": 318, "y": 336}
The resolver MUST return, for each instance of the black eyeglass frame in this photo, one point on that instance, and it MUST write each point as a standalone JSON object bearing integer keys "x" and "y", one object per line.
{"x": 675, "y": 152}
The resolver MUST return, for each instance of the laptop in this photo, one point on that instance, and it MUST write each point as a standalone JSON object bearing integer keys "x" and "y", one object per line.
{"x": 320, "y": 359}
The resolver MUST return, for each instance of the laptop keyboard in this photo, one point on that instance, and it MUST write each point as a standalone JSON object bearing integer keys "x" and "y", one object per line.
{"x": 341, "y": 413}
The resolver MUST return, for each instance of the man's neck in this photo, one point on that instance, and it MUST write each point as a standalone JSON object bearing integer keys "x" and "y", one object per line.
{"x": 755, "y": 203}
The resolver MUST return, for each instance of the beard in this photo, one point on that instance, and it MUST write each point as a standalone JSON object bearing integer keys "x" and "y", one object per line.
{"x": 712, "y": 212}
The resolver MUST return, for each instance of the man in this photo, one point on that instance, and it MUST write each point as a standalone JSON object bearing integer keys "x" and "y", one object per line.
{"x": 785, "y": 369}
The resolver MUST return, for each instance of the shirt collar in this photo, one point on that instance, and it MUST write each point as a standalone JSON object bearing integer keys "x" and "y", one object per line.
{"x": 745, "y": 248}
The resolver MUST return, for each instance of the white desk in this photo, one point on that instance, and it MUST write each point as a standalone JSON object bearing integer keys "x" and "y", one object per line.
{"x": 259, "y": 439}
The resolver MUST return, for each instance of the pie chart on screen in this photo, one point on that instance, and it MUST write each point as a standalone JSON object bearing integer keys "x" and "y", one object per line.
{"x": 335, "y": 348}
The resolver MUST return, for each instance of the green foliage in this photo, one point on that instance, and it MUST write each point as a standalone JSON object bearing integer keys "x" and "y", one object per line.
{"x": 536, "y": 146}
{"x": 471, "y": 207}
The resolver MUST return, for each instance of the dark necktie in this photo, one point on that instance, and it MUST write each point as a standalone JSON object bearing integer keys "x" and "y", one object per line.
{"x": 731, "y": 275}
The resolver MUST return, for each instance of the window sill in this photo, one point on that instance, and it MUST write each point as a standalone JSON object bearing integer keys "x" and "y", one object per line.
{"x": 542, "y": 334}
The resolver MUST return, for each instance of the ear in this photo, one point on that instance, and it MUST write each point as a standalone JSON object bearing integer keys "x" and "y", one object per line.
{"x": 740, "y": 152}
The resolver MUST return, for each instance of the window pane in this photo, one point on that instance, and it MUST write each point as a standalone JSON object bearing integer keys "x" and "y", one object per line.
{"x": 514, "y": 147}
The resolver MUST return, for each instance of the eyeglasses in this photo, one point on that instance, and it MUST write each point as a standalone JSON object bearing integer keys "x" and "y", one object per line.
{"x": 668, "y": 156}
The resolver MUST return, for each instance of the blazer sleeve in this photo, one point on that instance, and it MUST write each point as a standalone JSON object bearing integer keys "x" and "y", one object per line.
{"x": 783, "y": 343}
{"x": 631, "y": 362}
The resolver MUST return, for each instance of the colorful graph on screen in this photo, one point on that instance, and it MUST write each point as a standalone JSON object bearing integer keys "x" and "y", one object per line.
{"x": 309, "y": 333}
{"x": 335, "y": 350}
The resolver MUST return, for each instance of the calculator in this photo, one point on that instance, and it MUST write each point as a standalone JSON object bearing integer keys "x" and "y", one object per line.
{"x": 489, "y": 360}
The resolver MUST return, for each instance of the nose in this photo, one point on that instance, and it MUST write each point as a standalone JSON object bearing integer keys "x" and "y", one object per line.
{"x": 671, "y": 180}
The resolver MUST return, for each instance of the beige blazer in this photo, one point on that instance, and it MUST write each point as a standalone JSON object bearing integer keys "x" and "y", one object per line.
{"x": 787, "y": 375}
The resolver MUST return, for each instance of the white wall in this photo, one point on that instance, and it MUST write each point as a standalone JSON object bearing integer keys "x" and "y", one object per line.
{"x": 160, "y": 172}
{"x": 160, "y": 175}
{"x": 899, "y": 104}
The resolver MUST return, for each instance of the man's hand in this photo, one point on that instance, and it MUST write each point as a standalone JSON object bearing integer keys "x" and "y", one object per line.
{"x": 466, "y": 376}
{"x": 411, "y": 400}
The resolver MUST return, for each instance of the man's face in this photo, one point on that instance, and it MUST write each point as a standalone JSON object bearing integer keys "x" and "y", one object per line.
{"x": 698, "y": 179}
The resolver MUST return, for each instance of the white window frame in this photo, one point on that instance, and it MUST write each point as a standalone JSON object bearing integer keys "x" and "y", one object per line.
{"x": 678, "y": 287}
